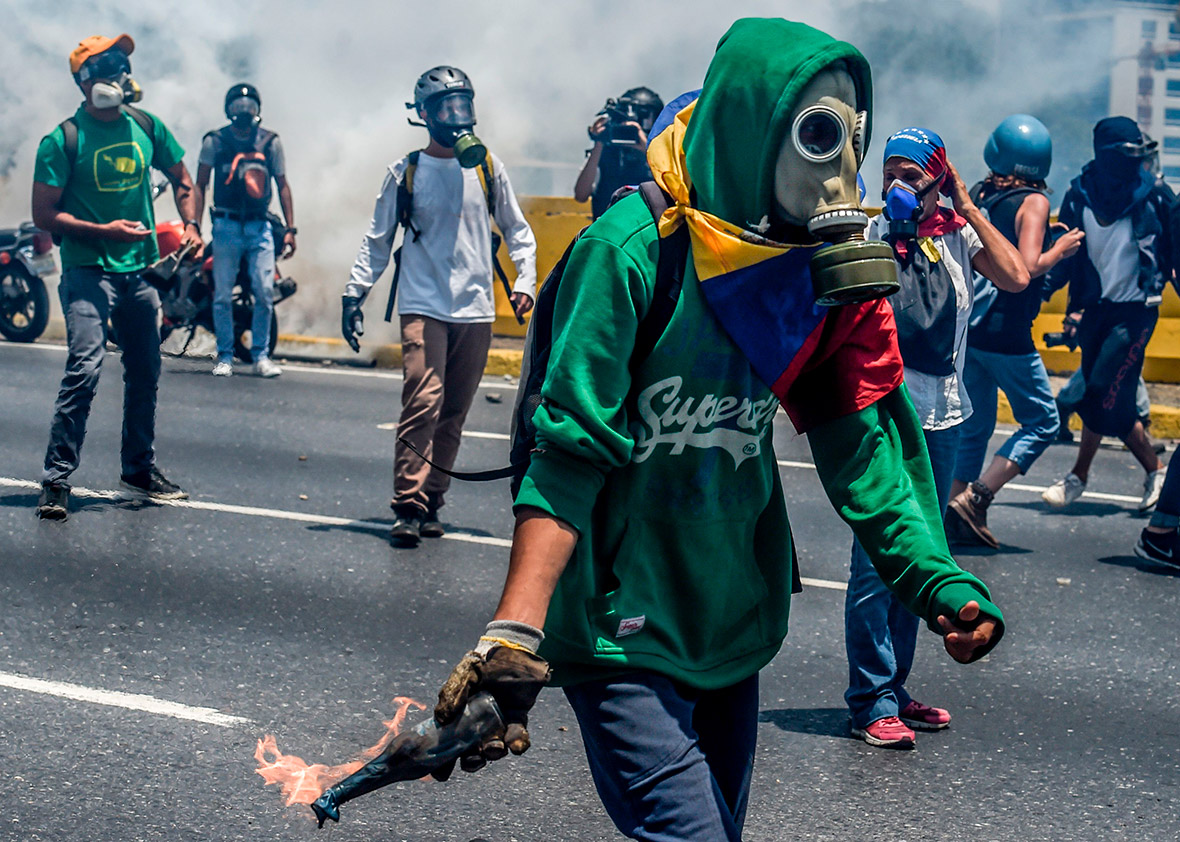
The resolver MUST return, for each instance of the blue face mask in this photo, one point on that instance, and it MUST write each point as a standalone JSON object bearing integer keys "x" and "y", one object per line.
{"x": 903, "y": 207}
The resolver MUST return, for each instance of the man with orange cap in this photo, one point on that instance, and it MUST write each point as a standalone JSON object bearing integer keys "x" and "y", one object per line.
{"x": 91, "y": 189}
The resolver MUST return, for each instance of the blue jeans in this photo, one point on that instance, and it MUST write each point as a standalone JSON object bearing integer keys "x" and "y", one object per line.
{"x": 233, "y": 240}
{"x": 670, "y": 763}
{"x": 880, "y": 634}
{"x": 89, "y": 297}
{"x": 1026, "y": 384}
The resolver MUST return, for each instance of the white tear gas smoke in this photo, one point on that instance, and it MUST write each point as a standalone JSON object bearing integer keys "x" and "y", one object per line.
{"x": 334, "y": 79}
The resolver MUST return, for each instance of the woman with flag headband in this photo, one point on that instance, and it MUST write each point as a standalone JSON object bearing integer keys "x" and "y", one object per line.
{"x": 936, "y": 249}
{"x": 652, "y": 561}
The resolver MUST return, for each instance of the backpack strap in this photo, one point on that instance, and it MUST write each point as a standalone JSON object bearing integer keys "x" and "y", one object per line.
{"x": 405, "y": 209}
{"x": 487, "y": 182}
{"x": 148, "y": 123}
{"x": 673, "y": 254}
{"x": 405, "y": 195}
{"x": 994, "y": 199}
{"x": 69, "y": 133}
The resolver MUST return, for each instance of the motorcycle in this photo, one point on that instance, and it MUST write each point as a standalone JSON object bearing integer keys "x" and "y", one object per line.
{"x": 26, "y": 256}
{"x": 186, "y": 290}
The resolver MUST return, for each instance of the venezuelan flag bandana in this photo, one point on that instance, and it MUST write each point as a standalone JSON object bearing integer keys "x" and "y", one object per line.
{"x": 821, "y": 363}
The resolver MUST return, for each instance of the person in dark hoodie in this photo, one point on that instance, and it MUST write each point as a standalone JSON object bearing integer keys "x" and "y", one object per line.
{"x": 652, "y": 561}
{"x": 1115, "y": 281}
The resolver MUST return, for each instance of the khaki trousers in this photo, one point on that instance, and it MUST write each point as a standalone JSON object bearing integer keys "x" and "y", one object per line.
{"x": 443, "y": 363}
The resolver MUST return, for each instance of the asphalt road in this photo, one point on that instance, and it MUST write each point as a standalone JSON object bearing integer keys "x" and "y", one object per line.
{"x": 273, "y": 605}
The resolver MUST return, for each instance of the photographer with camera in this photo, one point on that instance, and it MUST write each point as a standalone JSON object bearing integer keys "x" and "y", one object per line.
{"x": 1000, "y": 350}
{"x": 619, "y": 154}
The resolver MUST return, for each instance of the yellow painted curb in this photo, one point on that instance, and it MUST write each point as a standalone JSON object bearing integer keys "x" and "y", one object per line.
{"x": 501, "y": 361}
{"x": 1165, "y": 420}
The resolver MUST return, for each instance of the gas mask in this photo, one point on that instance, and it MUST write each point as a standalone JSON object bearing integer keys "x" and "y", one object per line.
{"x": 903, "y": 208}
{"x": 243, "y": 113}
{"x": 450, "y": 119}
{"x": 815, "y": 185}
{"x": 114, "y": 85}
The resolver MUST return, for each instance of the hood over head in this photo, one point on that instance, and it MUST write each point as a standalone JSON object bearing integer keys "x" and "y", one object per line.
{"x": 743, "y": 115}
{"x": 1115, "y": 181}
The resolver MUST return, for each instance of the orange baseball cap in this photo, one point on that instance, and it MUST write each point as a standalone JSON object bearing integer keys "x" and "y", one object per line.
{"x": 96, "y": 44}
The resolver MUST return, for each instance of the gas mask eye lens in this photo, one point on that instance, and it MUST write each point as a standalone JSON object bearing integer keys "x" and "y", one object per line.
{"x": 453, "y": 110}
{"x": 819, "y": 134}
{"x": 107, "y": 65}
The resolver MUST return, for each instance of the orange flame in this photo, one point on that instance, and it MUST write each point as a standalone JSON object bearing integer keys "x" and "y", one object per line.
{"x": 301, "y": 782}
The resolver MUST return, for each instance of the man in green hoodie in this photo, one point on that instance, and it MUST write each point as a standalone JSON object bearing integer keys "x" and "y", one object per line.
{"x": 651, "y": 540}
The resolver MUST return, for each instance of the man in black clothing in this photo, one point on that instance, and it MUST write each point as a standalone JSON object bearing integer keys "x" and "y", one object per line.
{"x": 1115, "y": 281}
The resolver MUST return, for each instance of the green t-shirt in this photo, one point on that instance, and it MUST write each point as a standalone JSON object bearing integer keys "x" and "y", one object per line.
{"x": 108, "y": 180}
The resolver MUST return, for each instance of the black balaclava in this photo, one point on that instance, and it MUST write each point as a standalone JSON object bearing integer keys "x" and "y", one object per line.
{"x": 1115, "y": 181}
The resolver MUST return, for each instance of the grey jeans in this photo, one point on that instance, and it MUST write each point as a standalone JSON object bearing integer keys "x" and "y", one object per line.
{"x": 89, "y": 296}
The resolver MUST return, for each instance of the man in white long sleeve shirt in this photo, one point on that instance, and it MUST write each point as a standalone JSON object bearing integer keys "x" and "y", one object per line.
{"x": 451, "y": 190}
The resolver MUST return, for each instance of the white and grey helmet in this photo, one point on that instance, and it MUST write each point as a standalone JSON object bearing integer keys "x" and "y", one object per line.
{"x": 443, "y": 79}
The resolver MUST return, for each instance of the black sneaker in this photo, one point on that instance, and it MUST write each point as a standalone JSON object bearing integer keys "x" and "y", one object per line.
{"x": 1160, "y": 547}
{"x": 55, "y": 501}
{"x": 429, "y": 527}
{"x": 153, "y": 484}
{"x": 406, "y": 529}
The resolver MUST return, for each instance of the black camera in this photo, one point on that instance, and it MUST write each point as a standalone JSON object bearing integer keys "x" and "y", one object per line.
{"x": 1056, "y": 340}
{"x": 619, "y": 112}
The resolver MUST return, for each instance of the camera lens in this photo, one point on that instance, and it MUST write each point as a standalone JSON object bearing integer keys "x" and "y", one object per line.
{"x": 819, "y": 133}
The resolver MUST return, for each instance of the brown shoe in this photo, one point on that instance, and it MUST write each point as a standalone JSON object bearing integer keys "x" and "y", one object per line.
{"x": 971, "y": 507}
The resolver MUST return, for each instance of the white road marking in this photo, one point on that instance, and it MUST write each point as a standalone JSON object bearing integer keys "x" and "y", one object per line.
{"x": 471, "y": 434}
{"x": 114, "y": 698}
{"x": 1015, "y": 486}
{"x": 306, "y": 517}
{"x": 823, "y": 583}
{"x": 255, "y": 511}
{"x": 496, "y": 382}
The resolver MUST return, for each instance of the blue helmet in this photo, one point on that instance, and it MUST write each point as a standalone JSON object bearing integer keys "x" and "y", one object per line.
{"x": 1020, "y": 146}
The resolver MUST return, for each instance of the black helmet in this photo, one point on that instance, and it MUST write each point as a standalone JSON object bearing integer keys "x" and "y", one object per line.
{"x": 642, "y": 105}
{"x": 443, "y": 79}
{"x": 242, "y": 89}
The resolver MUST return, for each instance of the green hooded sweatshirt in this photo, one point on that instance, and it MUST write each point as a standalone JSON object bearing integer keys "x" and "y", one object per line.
{"x": 685, "y": 561}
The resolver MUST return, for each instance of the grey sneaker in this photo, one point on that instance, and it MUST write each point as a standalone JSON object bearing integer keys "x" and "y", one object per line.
{"x": 1151, "y": 489}
{"x": 223, "y": 369}
{"x": 153, "y": 484}
{"x": 1063, "y": 492}
{"x": 266, "y": 367}
{"x": 54, "y": 503}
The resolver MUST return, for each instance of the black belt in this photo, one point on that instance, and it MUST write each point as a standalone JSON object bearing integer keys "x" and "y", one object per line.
{"x": 218, "y": 213}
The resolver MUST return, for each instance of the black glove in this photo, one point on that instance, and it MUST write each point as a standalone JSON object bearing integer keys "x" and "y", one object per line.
{"x": 352, "y": 323}
{"x": 504, "y": 666}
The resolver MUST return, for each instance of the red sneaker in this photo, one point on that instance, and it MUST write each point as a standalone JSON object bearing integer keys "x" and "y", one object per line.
{"x": 923, "y": 717}
{"x": 889, "y": 732}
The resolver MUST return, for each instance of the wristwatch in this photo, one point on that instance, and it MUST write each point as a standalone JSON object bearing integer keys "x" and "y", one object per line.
{"x": 193, "y": 223}
{"x": 292, "y": 230}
